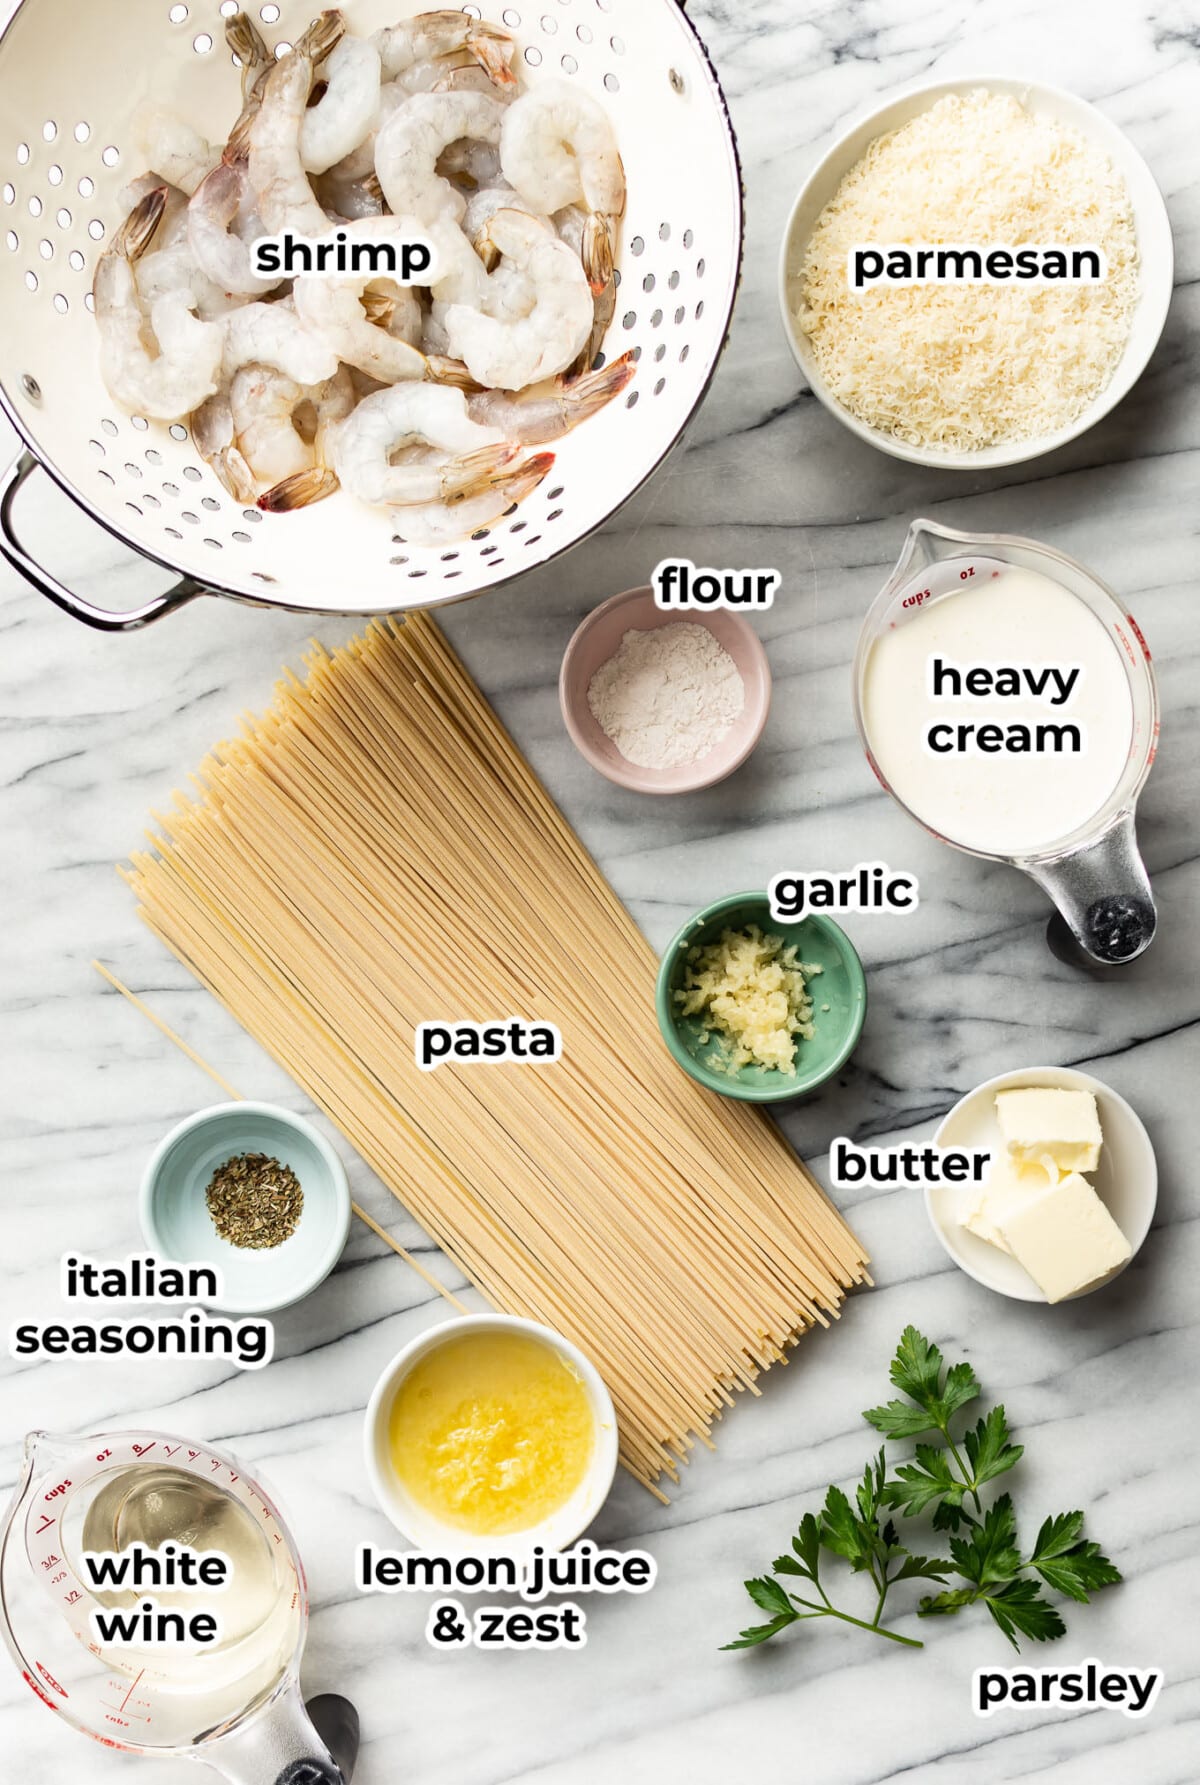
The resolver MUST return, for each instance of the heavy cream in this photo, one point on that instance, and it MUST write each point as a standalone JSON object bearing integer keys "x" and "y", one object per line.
{"x": 999, "y": 714}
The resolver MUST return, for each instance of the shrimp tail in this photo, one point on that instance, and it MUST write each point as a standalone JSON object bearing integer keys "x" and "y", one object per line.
{"x": 245, "y": 41}
{"x": 475, "y": 472}
{"x": 442, "y": 370}
{"x": 597, "y": 252}
{"x": 492, "y": 49}
{"x": 137, "y": 232}
{"x": 300, "y": 490}
{"x": 322, "y": 36}
{"x": 525, "y": 478}
{"x": 585, "y": 393}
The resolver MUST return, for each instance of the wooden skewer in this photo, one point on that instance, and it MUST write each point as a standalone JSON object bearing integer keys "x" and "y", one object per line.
{"x": 236, "y": 1096}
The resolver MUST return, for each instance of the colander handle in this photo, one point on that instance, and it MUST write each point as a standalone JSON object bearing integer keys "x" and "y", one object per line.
{"x": 186, "y": 589}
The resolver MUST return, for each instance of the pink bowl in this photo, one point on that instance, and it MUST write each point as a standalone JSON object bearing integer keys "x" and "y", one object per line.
{"x": 597, "y": 639}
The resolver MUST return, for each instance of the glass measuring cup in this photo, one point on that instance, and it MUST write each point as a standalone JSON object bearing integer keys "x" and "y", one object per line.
{"x": 1094, "y": 874}
{"x": 236, "y": 1707}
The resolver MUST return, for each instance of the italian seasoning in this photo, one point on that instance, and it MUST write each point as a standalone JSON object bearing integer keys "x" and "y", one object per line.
{"x": 255, "y": 1202}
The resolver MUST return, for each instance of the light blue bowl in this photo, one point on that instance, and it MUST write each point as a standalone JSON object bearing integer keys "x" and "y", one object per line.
{"x": 179, "y": 1228}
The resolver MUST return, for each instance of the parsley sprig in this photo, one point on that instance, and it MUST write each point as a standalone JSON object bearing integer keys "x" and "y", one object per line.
{"x": 944, "y": 1479}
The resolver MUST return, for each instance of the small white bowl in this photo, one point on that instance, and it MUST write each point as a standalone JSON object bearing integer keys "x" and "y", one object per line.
{"x": 1126, "y": 1179}
{"x": 179, "y": 1228}
{"x": 559, "y": 1531}
{"x": 596, "y": 639}
{"x": 1154, "y": 247}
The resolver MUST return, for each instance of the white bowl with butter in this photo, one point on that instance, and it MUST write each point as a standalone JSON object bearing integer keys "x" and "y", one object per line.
{"x": 1125, "y": 1179}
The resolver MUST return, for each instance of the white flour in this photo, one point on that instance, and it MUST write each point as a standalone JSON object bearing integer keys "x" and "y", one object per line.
{"x": 667, "y": 697}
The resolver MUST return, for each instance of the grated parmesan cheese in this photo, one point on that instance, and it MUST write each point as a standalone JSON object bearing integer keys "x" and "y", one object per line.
{"x": 962, "y": 367}
{"x": 750, "y": 990}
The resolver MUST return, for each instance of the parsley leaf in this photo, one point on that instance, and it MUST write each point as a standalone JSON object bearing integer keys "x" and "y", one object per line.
{"x": 1018, "y": 1606}
{"x": 988, "y": 1449}
{"x": 930, "y": 1478}
{"x": 842, "y": 1531}
{"x": 750, "y": 1639}
{"x": 990, "y": 1551}
{"x": 769, "y": 1596}
{"x": 916, "y": 1370}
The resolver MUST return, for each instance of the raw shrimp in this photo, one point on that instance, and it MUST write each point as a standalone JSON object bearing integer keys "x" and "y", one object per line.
{"x": 171, "y": 148}
{"x": 331, "y": 306}
{"x": 173, "y": 270}
{"x": 279, "y": 186}
{"x": 349, "y": 108}
{"x": 215, "y": 244}
{"x": 432, "y": 35}
{"x": 276, "y": 335}
{"x": 436, "y": 523}
{"x": 214, "y": 436}
{"x": 352, "y": 200}
{"x": 481, "y": 208}
{"x": 409, "y": 144}
{"x": 557, "y": 146}
{"x": 547, "y": 411}
{"x": 263, "y": 404}
{"x": 513, "y": 353}
{"x": 396, "y": 308}
{"x": 359, "y": 164}
{"x": 186, "y": 368}
{"x": 326, "y": 406}
{"x": 468, "y": 461}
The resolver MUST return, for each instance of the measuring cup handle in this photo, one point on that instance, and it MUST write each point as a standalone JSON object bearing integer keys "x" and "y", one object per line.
{"x": 105, "y": 621}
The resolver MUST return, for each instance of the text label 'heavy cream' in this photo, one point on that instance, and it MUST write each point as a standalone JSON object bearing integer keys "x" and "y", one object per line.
{"x": 1050, "y": 682}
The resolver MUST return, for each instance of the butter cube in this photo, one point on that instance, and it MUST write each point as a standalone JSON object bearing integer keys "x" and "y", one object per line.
{"x": 1065, "y": 1238}
{"x": 1009, "y": 1184}
{"x": 1047, "y": 1122}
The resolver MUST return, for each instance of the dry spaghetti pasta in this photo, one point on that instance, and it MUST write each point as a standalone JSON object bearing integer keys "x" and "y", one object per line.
{"x": 374, "y": 853}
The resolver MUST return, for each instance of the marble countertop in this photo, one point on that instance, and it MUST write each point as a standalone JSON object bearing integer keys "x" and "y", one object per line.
{"x": 1102, "y": 1391}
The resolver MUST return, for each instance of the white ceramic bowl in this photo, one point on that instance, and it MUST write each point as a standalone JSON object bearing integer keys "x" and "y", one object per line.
{"x": 420, "y": 1526}
{"x": 178, "y": 1226}
{"x": 1154, "y": 245}
{"x": 1126, "y": 1180}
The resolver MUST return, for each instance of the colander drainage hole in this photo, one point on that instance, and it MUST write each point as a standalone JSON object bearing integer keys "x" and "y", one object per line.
{"x": 49, "y": 130}
{"x": 178, "y": 14}
{"x": 35, "y": 206}
{"x": 82, "y": 131}
{"x": 555, "y": 513}
{"x": 110, "y": 427}
{"x": 178, "y": 431}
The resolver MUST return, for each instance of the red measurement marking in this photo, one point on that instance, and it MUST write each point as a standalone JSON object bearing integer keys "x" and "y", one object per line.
{"x": 130, "y": 1692}
{"x": 33, "y": 1685}
{"x": 143, "y": 1450}
{"x": 1138, "y": 635}
{"x": 50, "y": 1679}
{"x": 169, "y": 1451}
{"x": 45, "y": 1525}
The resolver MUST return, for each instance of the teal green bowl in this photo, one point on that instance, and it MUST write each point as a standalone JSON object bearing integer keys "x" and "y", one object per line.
{"x": 841, "y": 984}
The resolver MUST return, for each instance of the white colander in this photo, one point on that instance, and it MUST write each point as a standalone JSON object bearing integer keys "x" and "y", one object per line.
{"x": 72, "y": 77}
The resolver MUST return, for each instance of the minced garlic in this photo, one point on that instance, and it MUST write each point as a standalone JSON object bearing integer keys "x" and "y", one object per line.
{"x": 750, "y": 991}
